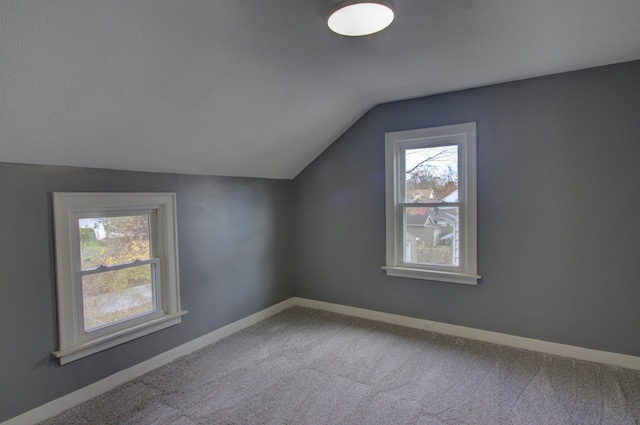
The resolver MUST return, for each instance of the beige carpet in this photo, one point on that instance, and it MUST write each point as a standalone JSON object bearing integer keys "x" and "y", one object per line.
{"x": 309, "y": 367}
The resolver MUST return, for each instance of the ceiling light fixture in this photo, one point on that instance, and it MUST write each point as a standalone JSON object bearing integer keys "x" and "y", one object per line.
{"x": 357, "y": 18}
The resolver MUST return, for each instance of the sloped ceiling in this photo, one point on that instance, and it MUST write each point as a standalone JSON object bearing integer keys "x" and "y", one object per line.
{"x": 259, "y": 88}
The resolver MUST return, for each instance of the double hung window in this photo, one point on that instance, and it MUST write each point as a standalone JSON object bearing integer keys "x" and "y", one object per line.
{"x": 117, "y": 269}
{"x": 431, "y": 204}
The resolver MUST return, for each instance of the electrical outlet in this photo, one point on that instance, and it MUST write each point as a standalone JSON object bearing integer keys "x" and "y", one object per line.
{"x": 427, "y": 326}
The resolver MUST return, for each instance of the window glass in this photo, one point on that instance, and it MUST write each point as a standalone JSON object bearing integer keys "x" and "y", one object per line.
{"x": 116, "y": 295}
{"x": 432, "y": 235}
{"x": 431, "y": 174}
{"x": 106, "y": 241}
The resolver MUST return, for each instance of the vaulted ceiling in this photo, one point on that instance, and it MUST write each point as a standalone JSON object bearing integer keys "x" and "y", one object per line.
{"x": 259, "y": 88}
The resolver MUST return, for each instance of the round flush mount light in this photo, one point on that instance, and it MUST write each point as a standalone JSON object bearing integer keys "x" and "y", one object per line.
{"x": 357, "y": 18}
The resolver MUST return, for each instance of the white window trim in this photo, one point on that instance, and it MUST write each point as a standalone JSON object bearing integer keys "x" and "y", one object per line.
{"x": 395, "y": 144}
{"x": 73, "y": 342}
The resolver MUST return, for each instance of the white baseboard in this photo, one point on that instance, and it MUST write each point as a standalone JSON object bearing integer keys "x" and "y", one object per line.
{"x": 68, "y": 401}
{"x": 61, "y": 404}
{"x": 579, "y": 353}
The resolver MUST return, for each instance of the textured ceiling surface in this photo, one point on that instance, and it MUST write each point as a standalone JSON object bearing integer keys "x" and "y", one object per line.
{"x": 259, "y": 88}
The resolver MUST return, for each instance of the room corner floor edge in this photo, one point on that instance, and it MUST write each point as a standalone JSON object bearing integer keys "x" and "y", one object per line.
{"x": 68, "y": 401}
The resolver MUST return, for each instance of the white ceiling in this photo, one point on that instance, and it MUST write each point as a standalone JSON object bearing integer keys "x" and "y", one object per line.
{"x": 259, "y": 88}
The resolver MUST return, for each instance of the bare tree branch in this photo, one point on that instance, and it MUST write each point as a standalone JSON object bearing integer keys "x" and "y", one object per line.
{"x": 439, "y": 154}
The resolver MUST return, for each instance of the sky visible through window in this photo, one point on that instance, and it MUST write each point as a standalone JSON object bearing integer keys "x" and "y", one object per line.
{"x": 92, "y": 223}
{"x": 439, "y": 159}
{"x": 431, "y": 172}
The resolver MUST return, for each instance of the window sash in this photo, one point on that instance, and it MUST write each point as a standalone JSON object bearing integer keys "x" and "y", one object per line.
{"x": 103, "y": 268}
{"x": 402, "y": 220}
{"x": 156, "y": 290}
{"x": 429, "y": 205}
{"x": 150, "y": 212}
{"x": 83, "y": 334}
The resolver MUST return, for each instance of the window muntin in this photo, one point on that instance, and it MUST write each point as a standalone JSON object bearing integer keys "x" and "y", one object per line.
{"x": 117, "y": 270}
{"x": 431, "y": 204}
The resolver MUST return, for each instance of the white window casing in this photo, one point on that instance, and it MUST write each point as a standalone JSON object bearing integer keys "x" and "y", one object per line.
{"x": 463, "y": 269}
{"x": 74, "y": 342}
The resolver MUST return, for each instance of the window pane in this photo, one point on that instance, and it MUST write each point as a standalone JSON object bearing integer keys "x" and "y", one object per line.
{"x": 116, "y": 295}
{"x": 432, "y": 235}
{"x": 113, "y": 240}
{"x": 432, "y": 174}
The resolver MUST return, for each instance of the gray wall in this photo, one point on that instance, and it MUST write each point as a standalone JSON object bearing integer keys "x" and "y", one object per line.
{"x": 558, "y": 231}
{"x": 234, "y": 239}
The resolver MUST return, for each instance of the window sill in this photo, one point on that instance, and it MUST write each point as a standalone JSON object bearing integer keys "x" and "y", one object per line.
{"x": 434, "y": 275}
{"x": 79, "y": 351}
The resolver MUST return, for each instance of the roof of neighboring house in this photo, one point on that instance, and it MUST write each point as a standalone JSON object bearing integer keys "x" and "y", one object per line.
{"x": 420, "y": 195}
{"x": 425, "y": 216}
{"x": 418, "y": 217}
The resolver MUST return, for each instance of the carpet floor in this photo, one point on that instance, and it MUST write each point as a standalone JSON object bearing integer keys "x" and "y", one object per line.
{"x": 305, "y": 366}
